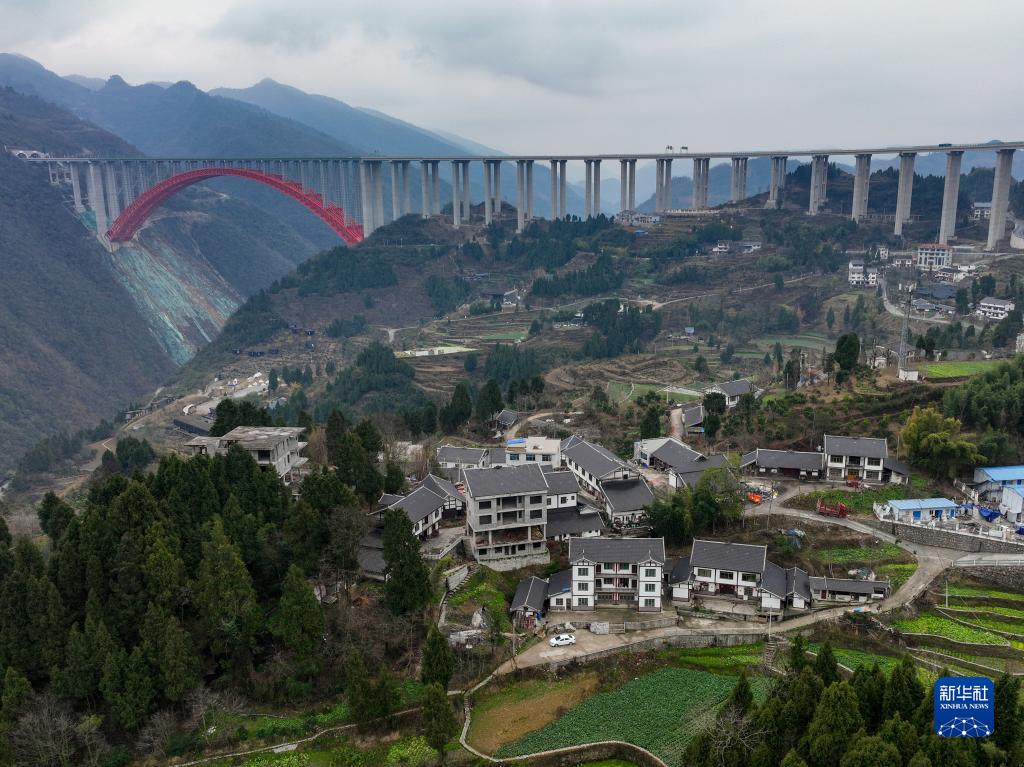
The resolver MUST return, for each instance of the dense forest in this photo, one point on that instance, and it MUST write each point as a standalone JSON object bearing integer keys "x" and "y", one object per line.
{"x": 813, "y": 717}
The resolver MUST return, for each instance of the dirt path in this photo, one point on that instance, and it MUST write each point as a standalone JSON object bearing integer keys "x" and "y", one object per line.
{"x": 516, "y": 428}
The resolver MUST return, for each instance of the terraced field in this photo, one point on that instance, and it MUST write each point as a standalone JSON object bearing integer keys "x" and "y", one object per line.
{"x": 660, "y": 711}
{"x": 930, "y": 623}
{"x": 958, "y": 369}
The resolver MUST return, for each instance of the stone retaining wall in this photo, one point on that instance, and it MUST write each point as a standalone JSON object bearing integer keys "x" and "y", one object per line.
{"x": 995, "y": 650}
{"x": 593, "y": 752}
{"x": 676, "y": 640}
{"x": 1012, "y": 577}
{"x": 945, "y": 539}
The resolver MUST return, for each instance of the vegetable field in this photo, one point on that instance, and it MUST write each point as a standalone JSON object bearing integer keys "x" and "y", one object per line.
{"x": 849, "y": 556}
{"x": 660, "y": 712}
{"x": 928, "y": 623}
{"x": 958, "y": 369}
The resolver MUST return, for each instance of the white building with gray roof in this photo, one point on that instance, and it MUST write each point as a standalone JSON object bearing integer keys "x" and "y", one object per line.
{"x": 733, "y": 390}
{"x": 617, "y": 572}
{"x": 855, "y": 458}
{"x": 506, "y": 515}
{"x": 592, "y": 464}
{"x": 784, "y": 464}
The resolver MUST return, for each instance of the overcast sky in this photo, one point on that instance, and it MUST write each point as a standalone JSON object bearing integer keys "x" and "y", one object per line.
{"x": 578, "y": 76}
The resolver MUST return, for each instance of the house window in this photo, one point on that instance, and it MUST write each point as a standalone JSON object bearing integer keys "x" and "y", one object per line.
{"x": 648, "y": 603}
{"x": 564, "y": 499}
{"x": 650, "y": 572}
{"x": 536, "y": 499}
{"x": 583, "y": 572}
{"x": 726, "y": 575}
{"x": 748, "y": 578}
{"x": 546, "y": 458}
{"x": 703, "y": 572}
{"x": 531, "y": 457}
{"x": 583, "y": 586}
{"x": 650, "y": 588}
{"x": 536, "y": 513}
{"x": 513, "y": 456}
{"x": 483, "y": 505}
{"x": 485, "y": 519}
{"x": 583, "y": 601}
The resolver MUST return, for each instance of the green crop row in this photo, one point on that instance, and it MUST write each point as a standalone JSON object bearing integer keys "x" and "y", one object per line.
{"x": 939, "y": 625}
{"x": 896, "y": 573}
{"x": 719, "y": 659}
{"x": 962, "y": 590}
{"x": 660, "y": 711}
{"x": 849, "y": 556}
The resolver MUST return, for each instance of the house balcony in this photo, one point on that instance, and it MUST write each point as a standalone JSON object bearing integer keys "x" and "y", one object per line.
{"x": 615, "y": 589}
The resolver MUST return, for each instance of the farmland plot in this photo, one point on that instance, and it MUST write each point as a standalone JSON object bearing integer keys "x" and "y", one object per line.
{"x": 660, "y": 712}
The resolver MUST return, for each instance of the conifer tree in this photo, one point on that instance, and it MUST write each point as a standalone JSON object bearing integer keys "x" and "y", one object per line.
{"x": 825, "y": 665}
{"x": 903, "y": 693}
{"x": 869, "y": 684}
{"x": 741, "y": 697}
{"x": 438, "y": 719}
{"x": 299, "y": 622}
{"x": 127, "y": 687}
{"x": 54, "y": 516}
{"x": 438, "y": 660}
{"x": 836, "y": 720}
{"x": 407, "y": 589}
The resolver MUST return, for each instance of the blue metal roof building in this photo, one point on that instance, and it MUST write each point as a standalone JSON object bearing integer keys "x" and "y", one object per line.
{"x": 918, "y": 508}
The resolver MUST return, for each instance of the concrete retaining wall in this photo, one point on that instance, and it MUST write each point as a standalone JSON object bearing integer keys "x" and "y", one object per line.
{"x": 996, "y": 651}
{"x": 946, "y": 539}
{"x": 1013, "y": 577}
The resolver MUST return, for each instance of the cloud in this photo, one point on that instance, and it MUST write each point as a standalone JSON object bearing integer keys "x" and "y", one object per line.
{"x": 28, "y": 21}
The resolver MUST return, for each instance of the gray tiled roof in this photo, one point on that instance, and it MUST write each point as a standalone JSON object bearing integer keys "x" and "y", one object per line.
{"x": 785, "y": 459}
{"x": 530, "y": 595}
{"x": 895, "y": 466}
{"x": 562, "y": 482}
{"x": 419, "y": 504}
{"x": 675, "y": 454}
{"x": 733, "y": 388}
{"x": 560, "y": 583}
{"x": 572, "y": 522}
{"x": 388, "y": 499}
{"x": 506, "y": 417}
{"x": 504, "y": 480}
{"x": 847, "y": 585}
{"x": 693, "y": 415}
{"x": 797, "y": 582}
{"x": 625, "y": 550}
{"x": 773, "y": 580}
{"x": 454, "y": 454}
{"x": 690, "y": 475}
{"x": 741, "y": 557}
{"x": 626, "y": 495}
{"x": 681, "y": 570}
{"x": 864, "y": 447}
{"x": 498, "y": 456}
{"x": 593, "y": 458}
{"x": 441, "y": 486}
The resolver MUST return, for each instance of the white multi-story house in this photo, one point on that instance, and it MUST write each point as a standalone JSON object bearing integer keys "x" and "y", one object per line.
{"x": 455, "y": 457}
{"x": 593, "y": 464}
{"x": 563, "y": 490}
{"x": 424, "y": 508}
{"x": 995, "y": 308}
{"x": 545, "y": 451}
{"x": 981, "y": 211}
{"x": 989, "y": 481}
{"x": 1011, "y": 504}
{"x": 855, "y": 273}
{"x": 682, "y": 464}
{"x": 506, "y": 515}
{"x": 933, "y": 255}
{"x": 859, "y": 458}
{"x": 274, "y": 448}
{"x": 617, "y": 572}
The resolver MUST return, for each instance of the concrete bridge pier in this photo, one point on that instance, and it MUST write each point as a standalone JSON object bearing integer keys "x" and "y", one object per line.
{"x": 623, "y": 185}
{"x": 76, "y": 187}
{"x": 861, "y": 182}
{"x": 464, "y": 188}
{"x": 1000, "y": 198}
{"x": 588, "y": 194}
{"x": 496, "y": 174}
{"x": 904, "y": 191}
{"x": 738, "y": 180}
{"x": 632, "y": 185}
{"x": 561, "y": 187}
{"x": 819, "y": 181}
{"x": 950, "y": 192}
{"x": 520, "y": 195}
{"x": 701, "y": 178}
{"x": 110, "y": 185}
{"x": 487, "y": 192}
{"x": 596, "y": 209}
{"x": 554, "y": 189}
{"x": 435, "y": 183}
{"x": 128, "y": 183}
{"x": 426, "y": 206}
{"x": 777, "y": 184}
{"x": 456, "y": 196}
{"x": 96, "y": 197}
{"x": 529, "y": 190}
{"x": 396, "y": 190}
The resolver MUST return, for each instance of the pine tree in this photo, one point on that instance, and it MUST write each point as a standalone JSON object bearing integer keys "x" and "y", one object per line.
{"x": 792, "y": 759}
{"x": 869, "y": 684}
{"x": 825, "y": 665}
{"x": 650, "y": 426}
{"x": 830, "y": 318}
{"x": 1008, "y": 714}
{"x": 903, "y": 693}
{"x": 299, "y": 622}
{"x": 901, "y": 734}
{"x": 226, "y": 601}
{"x": 163, "y": 570}
{"x": 17, "y": 692}
{"x": 438, "y": 660}
{"x": 272, "y": 382}
{"x": 305, "y": 535}
{"x": 438, "y": 719}
{"x": 54, "y": 516}
{"x": 836, "y": 720}
{"x": 489, "y": 401}
{"x": 407, "y": 589}
{"x": 798, "y": 654}
{"x": 741, "y": 697}
{"x": 127, "y": 687}
{"x": 179, "y": 663}
{"x": 871, "y": 751}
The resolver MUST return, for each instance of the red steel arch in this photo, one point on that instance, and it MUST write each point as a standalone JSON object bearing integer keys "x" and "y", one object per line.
{"x": 134, "y": 216}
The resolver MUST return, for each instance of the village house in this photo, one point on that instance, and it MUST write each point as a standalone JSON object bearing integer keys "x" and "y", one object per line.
{"x": 527, "y": 606}
{"x": 626, "y": 500}
{"x": 917, "y": 510}
{"x": 824, "y": 589}
{"x": 506, "y": 515}
{"x": 454, "y": 501}
{"x": 617, "y": 572}
{"x": 981, "y": 211}
{"x": 783, "y": 464}
{"x": 682, "y": 464}
{"x": 274, "y": 448}
{"x": 864, "y": 459}
{"x": 933, "y": 255}
{"x": 693, "y": 419}
{"x": 1011, "y": 504}
{"x": 423, "y": 507}
{"x": 989, "y": 481}
{"x": 545, "y": 451}
{"x": 593, "y": 464}
{"x": 455, "y": 457}
{"x": 504, "y": 420}
{"x": 994, "y": 308}
{"x": 733, "y": 390}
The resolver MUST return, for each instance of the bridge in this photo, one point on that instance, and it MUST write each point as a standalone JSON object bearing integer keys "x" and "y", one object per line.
{"x": 347, "y": 193}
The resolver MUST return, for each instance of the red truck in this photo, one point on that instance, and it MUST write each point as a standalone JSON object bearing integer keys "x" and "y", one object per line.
{"x": 832, "y": 510}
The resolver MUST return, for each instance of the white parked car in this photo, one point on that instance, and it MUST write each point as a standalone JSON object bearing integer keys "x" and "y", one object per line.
{"x": 561, "y": 640}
